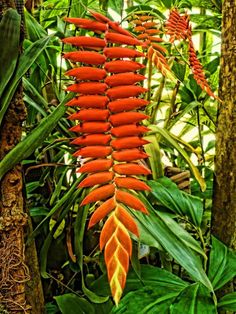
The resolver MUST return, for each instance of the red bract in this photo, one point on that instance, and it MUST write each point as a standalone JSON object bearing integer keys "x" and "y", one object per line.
{"x": 110, "y": 135}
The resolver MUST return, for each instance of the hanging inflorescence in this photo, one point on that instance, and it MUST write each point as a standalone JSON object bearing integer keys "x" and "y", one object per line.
{"x": 178, "y": 28}
{"x": 110, "y": 135}
{"x": 148, "y": 31}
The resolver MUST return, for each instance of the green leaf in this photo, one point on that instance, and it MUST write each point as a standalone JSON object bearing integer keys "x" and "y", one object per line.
{"x": 169, "y": 139}
{"x": 194, "y": 299}
{"x": 160, "y": 229}
{"x": 179, "y": 70}
{"x": 146, "y": 300}
{"x": 79, "y": 229}
{"x": 25, "y": 62}
{"x": 153, "y": 150}
{"x": 9, "y": 39}
{"x": 155, "y": 277}
{"x": 167, "y": 193}
{"x": 222, "y": 264}
{"x": 25, "y": 148}
{"x": 71, "y": 304}
{"x": 228, "y": 302}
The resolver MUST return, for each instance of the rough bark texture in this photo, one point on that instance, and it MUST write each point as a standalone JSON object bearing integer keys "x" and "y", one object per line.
{"x": 18, "y": 294}
{"x": 13, "y": 271}
{"x": 224, "y": 204}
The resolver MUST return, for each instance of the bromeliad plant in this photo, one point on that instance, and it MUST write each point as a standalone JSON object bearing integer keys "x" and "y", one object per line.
{"x": 110, "y": 135}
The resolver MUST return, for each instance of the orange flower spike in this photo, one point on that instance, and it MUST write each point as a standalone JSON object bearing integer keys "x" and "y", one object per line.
{"x": 129, "y": 130}
{"x": 91, "y": 127}
{"x": 96, "y": 178}
{"x": 127, "y": 104}
{"x": 127, "y": 118}
{"x": 122, "y": 39}
{"x": 131, "y": 201}
{"x": 102, "y": 211}
{"x": 120, "y": 66}
{"x": 90, "y": 115}
{"x": 129, "y": 155}
{"x": 127, "y": 220}
{"x": 92, "y": 139}
{"x": 89, "y": 57}
{"x": 85, "y": 41}
{"x": 89, "y": 101}
{"x": 89, "y": 88}
{"x": 86, "y": 24}
{"x": 131, "y": 183}
{"x": 96, "y": 166}
{"x": 131, "y": 169}
{"x": 125, "y": 91}
{"x": 121, "y": 52}
{"x": 93, "y": 151}
{"x": 99, "y": 194}
{"x": 87, "y": 73}
{"x": 128, "y": 142}
{"x": 123, "y": 79}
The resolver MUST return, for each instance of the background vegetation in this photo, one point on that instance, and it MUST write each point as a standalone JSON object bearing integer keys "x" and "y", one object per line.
{"x": 178, "y": 266}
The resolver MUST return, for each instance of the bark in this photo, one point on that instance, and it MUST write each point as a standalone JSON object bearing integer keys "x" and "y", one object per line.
{"x": 18, "y": 294}
{"x": 224, "y": 203}
{"x": 224, "y": 200}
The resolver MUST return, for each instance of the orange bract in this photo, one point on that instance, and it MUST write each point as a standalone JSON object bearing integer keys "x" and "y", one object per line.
{"x": 124, "y": 79}
{"x": 87, "y": 73}
{"x": 88, "y": 88}
{"x": 121, "y": 52}
{"x": 89, "y": 57}
{"x": 91, "y": 101}
{"x": 126, "y": 104}
{"x": 99, "y": 194}
{"x": 96, "y": 166}
{"x": 85, "y": 41}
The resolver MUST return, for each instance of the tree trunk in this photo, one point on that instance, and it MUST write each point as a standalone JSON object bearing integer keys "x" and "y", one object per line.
{"x": 15, "y": 294}
{"x": 224, "y": 202}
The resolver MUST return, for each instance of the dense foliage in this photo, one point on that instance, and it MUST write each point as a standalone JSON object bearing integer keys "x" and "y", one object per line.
{"x": 177, "y": 266}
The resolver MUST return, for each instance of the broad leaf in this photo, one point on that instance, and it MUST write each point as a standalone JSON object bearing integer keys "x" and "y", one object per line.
{"x": 194, "y": 299}
{"x": 151, "y": 276}
{"x": 222, "y": 265}
{"x": 228, "y": 302}
{"x": 71, "y": 304}
{"x": 167, "y": 194}
{"x": 156, "y": 224}
{"x": 146, "y": 300}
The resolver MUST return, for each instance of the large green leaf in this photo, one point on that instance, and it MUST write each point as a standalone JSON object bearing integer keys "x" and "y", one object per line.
{"x": 222, "y": 264}
{"x": 228, "y": 302}
{"x": 167, "y": 193}
{"x": 170, "y": 140}
{"x": 71, "y": 304}
{"x": 194, "y": 299}
{"x": 9, "y": 39}
{"x": 25, "y": 148}
{"x": 151, "y": 276}
{"x": 146, "y": 301}
{"x": 160, "y": 228}
{"x": 25, "y": 62}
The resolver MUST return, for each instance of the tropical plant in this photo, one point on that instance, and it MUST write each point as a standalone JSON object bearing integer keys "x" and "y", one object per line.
{"x": 176, "y": 264}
